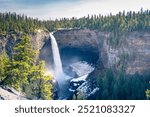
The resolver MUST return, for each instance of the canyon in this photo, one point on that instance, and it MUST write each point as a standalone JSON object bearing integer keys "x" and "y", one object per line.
{"x": 94, "y": 47}
{"x": 133, "y": 49}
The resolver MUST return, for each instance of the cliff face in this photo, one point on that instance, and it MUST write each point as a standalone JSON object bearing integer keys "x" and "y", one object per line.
{"x": 133, "y": 51}
{"x": 37, "y": 40}
{"x": 85, "y": 40}
{"x": 6, "y": 43}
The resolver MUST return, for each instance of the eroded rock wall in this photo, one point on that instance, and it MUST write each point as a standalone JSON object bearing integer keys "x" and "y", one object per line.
{"x": 86, "y": 40}
{"x": 37, "y": 40}
{"x": 133, "y": 51}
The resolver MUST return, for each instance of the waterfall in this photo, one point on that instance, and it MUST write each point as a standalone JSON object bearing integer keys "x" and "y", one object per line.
{"x": 82, "y": 69}
{"x": 58, "y": 70}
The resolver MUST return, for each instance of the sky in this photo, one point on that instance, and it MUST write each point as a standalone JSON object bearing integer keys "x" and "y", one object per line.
{"x": 52, "y": 9}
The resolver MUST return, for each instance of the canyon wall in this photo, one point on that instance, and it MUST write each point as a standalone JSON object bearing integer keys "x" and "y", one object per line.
{"x": 133, "y": 51}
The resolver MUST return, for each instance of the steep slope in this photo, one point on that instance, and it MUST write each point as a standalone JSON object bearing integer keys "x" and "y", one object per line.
{"x": 132, "y": 52}
{"x": 7, "y": 93}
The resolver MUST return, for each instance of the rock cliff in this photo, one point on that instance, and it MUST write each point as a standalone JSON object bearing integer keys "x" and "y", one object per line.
{"x": 133, "y": 50}
{"x": 86, "y": 40}
{"x": 8, "y": 93}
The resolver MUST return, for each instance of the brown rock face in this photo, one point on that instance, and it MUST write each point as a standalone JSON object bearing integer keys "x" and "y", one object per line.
{"x": 38, "y": 40}
{"x": 138, "y": 49}
{"x": 133, "y": 50}
{"x": 86, "y": 40}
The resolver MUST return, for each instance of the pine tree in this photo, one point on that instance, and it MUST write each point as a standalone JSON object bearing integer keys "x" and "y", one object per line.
{"x": 148, "y": 94}
{"x": 21, "y": 63}
{"x": 46, "y": 87}
{"x": 39, "y": 86}
{"x": 4, "y": 59}
{"x": 25, "y": 74}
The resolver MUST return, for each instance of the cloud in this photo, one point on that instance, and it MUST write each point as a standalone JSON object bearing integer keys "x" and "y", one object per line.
{"x": 85, "y": 7}
{"x": 69, "y": 8}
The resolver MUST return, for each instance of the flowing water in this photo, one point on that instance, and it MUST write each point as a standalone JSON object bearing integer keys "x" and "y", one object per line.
{"x": 58, "y": 70}
{"x": 82, "y": 69}
{"x": 58, "y": 73}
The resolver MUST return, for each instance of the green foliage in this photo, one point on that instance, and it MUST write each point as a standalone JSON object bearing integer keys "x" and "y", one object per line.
{"x": 116, "y": 24}
{"x": 3, "y": 63}
{"x": 114, "y": 39}
{"x": 24, "y": 72}
{"x": 22, "y": 62}
{"x": 79, "y": 96}
{"x": 46, "y": 88}
{"x": 147, "y": 94}
{"x": 117, "y": 85}
{"x": 16, "y": 24}
{"x": 39, "y": 84}
{"x": 122, "y": 22}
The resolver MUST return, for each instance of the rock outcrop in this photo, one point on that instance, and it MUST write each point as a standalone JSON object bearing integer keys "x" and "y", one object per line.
{"x": 85, "y": 40}
{"x": 8, "y": 93}
{"x": 133, "y": 50}
{"x": 37, "y": 40}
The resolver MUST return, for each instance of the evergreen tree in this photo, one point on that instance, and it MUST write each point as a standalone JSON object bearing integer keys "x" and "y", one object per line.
{"x": 4, "y": 59}
{"x": 46, "y": 87}
{"x": 24, "y": 73}
{"x": 22, "y": 62}
{"x": 148, "y": 94}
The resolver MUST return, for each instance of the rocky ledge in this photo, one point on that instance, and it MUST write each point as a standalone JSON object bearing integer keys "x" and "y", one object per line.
{"x": 8, "y": 93}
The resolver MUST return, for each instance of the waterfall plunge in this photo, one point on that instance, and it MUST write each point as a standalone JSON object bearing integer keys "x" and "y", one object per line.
{"x": 58, "y": 70}
{"x": 81, "y": 68}
{"x": 58, "y": 73}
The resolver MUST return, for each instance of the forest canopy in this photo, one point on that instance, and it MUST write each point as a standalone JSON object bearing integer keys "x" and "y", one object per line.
{"x": 121, "y": 22}
{"x": 23, "y": 72}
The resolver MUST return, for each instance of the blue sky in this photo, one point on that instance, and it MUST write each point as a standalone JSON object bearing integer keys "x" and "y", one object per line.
{"x": 51, "y": 9}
